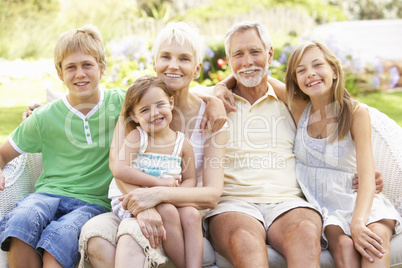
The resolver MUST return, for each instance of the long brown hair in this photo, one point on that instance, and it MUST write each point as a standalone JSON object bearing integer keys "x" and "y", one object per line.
{"x": 343, "y": 104}
{"x": 135, "y": 93}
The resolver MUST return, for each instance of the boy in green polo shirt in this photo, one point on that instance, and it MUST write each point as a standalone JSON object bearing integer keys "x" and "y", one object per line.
{"x": 74, "y": 135}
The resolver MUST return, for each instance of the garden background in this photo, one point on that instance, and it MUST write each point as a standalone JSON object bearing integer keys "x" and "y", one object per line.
{"x": 30, "y": 28}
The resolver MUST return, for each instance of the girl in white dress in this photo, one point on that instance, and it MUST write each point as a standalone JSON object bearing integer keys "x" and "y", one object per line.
{"x": 333, "y": 141}
{"x": 159, "y": 156}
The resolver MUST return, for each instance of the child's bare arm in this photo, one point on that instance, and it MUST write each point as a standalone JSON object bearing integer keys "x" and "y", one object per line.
{"x": 279, "y": 88}
{"x": 366, "y": 242}
{"x": 121, "y": 167}
{"x": 215, "y": 115}
{"x": 7, "y": 153}
{"x": 221, "y": 91}
{"x": 189, "y": 174}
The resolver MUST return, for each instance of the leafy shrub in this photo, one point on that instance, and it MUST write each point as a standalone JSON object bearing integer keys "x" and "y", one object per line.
{"x": 370, "y": 9}
{"x": 131, "y": 57}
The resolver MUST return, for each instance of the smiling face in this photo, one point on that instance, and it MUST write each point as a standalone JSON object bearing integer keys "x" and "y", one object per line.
{"x": 176, "y": 65}
{"x": 81, "y": 74}
{"x": 314, "y": 74}
{"x": 154, "y": 110}
{"x": 248, "y": 58}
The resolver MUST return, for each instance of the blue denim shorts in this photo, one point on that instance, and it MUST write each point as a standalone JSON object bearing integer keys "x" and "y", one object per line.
{"x": 49, "y": 223}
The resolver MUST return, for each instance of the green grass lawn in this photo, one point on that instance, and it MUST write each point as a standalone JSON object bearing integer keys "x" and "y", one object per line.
{"x": 388, "y": 103}
{"x": 10, "y": 118}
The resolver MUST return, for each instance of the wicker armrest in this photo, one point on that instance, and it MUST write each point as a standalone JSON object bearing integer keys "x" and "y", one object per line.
{"x": 21, "y": 175}
{"x": 387, "y": 149}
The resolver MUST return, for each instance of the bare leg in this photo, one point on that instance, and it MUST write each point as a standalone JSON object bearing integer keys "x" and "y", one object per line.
{"x": 193, "y": 239}
{"x": 383, "y": 229}
{"x": 23, "y": 255}
{"x": 296, "y": 235}
{"x": 49, "y": 261}
{"x": 174, "y": 243}
{"x": 239, "y": 238}
{"x": 129, "y": 253}
{"x": 342, "y": 247}
{"x": 101, "y": 253}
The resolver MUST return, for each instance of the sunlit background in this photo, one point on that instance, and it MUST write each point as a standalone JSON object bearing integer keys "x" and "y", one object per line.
{"x": 365, "y": 34}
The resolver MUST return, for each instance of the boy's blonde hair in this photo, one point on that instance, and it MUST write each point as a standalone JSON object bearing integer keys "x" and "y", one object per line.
{"x": 342, "y": 103}
{"x": 86, "y": 39}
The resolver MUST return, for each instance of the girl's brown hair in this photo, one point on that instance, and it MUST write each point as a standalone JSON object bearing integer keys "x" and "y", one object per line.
{"x": 343, "y": 104}
{"x": 135, "y": 93}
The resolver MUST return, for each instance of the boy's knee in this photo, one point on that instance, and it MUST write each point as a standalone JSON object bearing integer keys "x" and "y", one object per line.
{"x": 30, "y": 218}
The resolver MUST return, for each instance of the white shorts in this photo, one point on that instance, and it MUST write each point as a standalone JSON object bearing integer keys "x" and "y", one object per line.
{"x": 265, "y": 213}
{"x": 111, "y": 228}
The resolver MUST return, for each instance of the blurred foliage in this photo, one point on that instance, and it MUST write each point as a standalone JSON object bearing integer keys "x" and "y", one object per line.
{"x": 10, "y": 9}
{"x": 20, "y": 18}
{"x": 10, "y": 119}
{"x": 369, "y": 9}
{"x": 31, "y": 28}
{"x": 157, "y": 9}
{"x": 322, "y": 11}
{"x": 24, "y": 22}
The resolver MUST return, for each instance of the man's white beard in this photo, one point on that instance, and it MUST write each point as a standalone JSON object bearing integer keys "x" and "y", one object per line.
{"x": 252, "y": 81}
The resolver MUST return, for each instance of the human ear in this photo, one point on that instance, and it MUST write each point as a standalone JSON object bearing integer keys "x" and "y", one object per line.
{"x": 197, "y": 70}
{"x": 171, "y": 102}
{"x": 102, "y": 70}
{"x": 229, "y": 62}
{"x": 60, "y": 75}
{"x": 270, "y": 55}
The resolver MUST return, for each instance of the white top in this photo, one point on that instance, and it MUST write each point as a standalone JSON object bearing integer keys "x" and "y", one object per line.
{"x": 197, "y": 141}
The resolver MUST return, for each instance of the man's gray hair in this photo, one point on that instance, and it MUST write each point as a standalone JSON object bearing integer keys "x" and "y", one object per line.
{"x": 246, "y": 25}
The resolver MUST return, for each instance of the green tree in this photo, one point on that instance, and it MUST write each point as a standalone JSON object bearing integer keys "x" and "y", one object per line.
{"x": 370, "y": 9}
{"x": 10, "y": 9}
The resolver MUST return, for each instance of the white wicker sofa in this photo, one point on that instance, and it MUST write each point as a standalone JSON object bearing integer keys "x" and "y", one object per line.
{"x": 23, "y": 171}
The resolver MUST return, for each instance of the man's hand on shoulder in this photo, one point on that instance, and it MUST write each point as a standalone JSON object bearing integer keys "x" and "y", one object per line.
{"x": 29, "y": 110}
{"x": 226, "y": 96}
{"x": 214, "y": 116}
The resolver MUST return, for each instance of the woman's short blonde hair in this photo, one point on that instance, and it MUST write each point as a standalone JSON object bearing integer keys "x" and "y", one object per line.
{"x": 182, "y": 33}
{"x": 86, "y": 39}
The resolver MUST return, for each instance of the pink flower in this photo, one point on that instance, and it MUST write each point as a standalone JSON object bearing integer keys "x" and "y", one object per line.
{"x": 221, "y": 62}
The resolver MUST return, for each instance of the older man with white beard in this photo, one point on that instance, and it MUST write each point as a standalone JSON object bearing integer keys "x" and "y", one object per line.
{"x": 261, "y": 201}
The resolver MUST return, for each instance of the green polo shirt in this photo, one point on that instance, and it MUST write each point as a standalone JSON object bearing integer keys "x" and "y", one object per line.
{"x": 74, "y": 146}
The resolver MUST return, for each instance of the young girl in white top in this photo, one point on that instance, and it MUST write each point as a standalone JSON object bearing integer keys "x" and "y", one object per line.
{"x": 333, "y": 141}
{"x": 162, "y": 157}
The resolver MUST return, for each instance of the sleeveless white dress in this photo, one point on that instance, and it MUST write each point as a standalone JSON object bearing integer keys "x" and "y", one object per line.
{"x": 325, "y": 171}
{"x": 155, "y": 164}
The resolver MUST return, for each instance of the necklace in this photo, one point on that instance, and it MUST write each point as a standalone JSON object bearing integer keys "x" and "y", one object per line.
{"x": 319, "y": 135}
